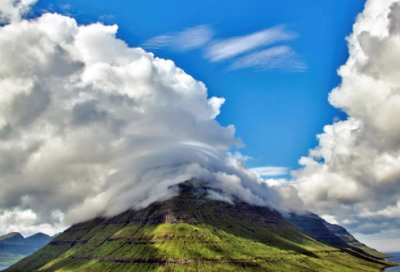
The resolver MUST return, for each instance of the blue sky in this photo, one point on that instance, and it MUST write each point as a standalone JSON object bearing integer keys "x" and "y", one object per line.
{"x": 278, "y": 112}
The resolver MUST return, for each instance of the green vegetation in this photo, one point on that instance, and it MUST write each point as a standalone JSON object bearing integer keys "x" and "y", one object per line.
{"x": 193, "y": 233}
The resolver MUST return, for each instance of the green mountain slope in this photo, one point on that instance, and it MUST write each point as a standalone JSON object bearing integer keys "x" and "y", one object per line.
{"x": 193, "y": 233}
{"x": 14, "y": 247}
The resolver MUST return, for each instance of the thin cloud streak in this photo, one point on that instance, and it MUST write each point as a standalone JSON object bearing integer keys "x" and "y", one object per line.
{"x": 279, "y": 57}
{"x": 238, "y": 49}
{"x": 269, "y": 171}
{"x": 188, "y": 39}
{"x": 232, "y": 47}
{"x": 158, "y": 42}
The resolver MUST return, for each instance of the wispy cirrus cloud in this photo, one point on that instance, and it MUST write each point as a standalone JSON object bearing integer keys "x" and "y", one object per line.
{"x": 188, "y": 39}
{"x": 278, "y": 57}
{"x": 65, "y": 7}
{"x": 158, "y": 42}
{"x": 269, "y": 171}
{"x": 107, "y": 18}
{"x": 243, "y": 51}
{"x": 235, "y": 46}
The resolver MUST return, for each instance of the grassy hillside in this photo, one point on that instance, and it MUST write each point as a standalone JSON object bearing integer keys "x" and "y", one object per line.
{"x": 193, "y": 233}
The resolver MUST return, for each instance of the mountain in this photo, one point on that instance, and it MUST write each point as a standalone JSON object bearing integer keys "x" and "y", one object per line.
{"x": 13, "y": 238}
{"x": 38, "y": 240}
{"x": 349, "y": 239}
{"x": 315, "y": 228}
{"x": 14, "y": 246}
{"x": 329, "y": 233}
{"x": 192, "y": 232}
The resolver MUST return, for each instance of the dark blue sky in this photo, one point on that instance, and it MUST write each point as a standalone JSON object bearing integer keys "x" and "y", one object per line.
{"x": 277, "y": 113}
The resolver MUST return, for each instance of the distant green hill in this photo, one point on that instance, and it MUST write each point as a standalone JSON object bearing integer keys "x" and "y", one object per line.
{"x": 349, "y": 239}
{"x": 14, "y": 246}
{"x": 331, "y": 234}
{"x": 191, "y": 232}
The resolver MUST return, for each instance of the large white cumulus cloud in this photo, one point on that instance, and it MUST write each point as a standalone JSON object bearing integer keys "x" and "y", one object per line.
{"x": 90, "y": 126}
{"x": 354, "y": 173}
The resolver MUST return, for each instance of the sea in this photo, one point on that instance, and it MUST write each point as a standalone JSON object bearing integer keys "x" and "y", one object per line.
{"x": 396, "y": 259}
{"x": 2, "y": 267}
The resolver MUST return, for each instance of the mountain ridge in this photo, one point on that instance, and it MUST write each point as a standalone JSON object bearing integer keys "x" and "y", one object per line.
{"x": 192, "y": 232}
{"x": 333, "y": 234}
{"x": 14, "y": 246}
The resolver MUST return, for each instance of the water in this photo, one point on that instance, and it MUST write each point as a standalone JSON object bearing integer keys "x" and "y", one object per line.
{"x": 395, "y": 259}
{"x": 2, "y": 267}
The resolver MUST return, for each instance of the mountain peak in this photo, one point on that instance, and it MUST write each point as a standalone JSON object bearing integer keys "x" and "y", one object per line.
{"x": 38, "y": 240}
{"x": 192, "y": 232}
{"x": 39, "y": 234}
{"x": 193, "y": 186}
{"x": 12, "y": 236}
{"x": 14, "y": 246}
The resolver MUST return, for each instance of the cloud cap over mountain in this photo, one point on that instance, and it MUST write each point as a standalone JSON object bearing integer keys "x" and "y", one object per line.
{"x": 90, "y": 126}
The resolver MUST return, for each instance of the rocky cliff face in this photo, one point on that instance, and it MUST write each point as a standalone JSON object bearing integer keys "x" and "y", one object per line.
{"x": 192, "y": 232}
{"x": 316, "y": 228}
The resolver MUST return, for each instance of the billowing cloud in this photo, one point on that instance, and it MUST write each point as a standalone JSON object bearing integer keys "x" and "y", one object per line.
{"x": 354, "y": 173}
{"x": 90, "y": 126}
{"x": 278, "y": 57}
{"x": 225, "y": 49}
{"x": 188, "y": 39}
{"x": 12, "y": 10}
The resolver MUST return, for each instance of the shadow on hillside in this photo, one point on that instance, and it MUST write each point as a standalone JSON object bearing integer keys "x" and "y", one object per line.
{"x": 238, "y": 222}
